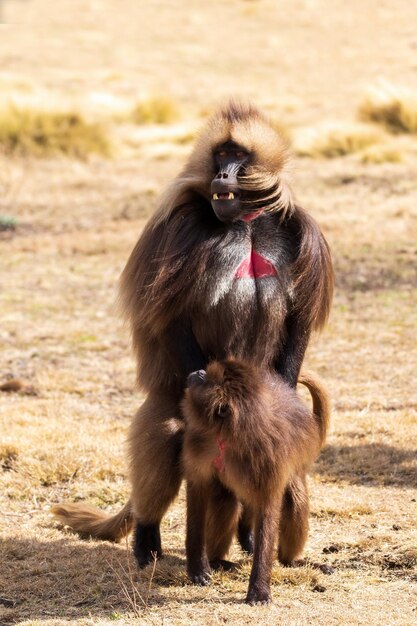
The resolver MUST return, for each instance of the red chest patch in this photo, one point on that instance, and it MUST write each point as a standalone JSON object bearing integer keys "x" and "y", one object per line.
{"x": 218, "y": 460}
{"x": 255, "y": 266}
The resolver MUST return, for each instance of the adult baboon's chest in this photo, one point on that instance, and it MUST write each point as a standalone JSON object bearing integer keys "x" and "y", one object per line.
{"x": 243, "y": 298}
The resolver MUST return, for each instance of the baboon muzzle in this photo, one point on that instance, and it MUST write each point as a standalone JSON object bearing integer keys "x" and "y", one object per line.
{"x": 196, "y": 378}
{"x": 225, "y": 194}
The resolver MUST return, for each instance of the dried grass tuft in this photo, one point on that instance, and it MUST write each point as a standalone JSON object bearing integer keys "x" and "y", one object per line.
{"x": 392, "y": 107}
{"x": 156, "y": 110}
{"x": 48, "y": 472}
{"x": 31, "y": 132}
{"x": 8, "y": 456}
{"x": 126, "y": 579}
{"x": 375, "y": 155}
{"x": 168, "y": 573}
{"x": 333, "y": 141}
{"x": 295, "y": 576}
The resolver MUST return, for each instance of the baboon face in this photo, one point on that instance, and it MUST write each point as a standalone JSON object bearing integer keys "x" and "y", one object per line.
{"x": 229, "y": 161}
{"x": 239, "y": 164}
{"x": 225, "y": 395}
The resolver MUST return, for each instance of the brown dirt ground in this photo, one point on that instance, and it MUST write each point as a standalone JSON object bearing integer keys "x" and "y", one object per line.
{"x": 62, "y": 436}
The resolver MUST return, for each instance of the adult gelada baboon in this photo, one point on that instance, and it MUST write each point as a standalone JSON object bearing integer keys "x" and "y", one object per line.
{"x": 228, "y": 265}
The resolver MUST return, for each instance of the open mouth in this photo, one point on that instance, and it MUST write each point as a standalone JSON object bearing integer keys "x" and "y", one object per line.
{"x": 229, "y": 195}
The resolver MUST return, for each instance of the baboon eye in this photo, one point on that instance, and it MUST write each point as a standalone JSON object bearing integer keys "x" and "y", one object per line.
{"x": 222, "y": 154}
{"x": 240, "y": 154}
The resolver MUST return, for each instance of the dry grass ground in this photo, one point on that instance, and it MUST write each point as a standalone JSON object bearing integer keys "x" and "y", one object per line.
{"x": 71, "y": 225}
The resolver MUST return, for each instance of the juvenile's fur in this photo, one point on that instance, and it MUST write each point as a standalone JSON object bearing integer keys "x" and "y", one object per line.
{"x": 270, "y": 440}
{"x": 185, "y": 306}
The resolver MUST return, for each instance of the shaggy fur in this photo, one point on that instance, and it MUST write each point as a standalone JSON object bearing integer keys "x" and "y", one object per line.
{"x": 248, "y": 437}
{"x": 186, "y": 305}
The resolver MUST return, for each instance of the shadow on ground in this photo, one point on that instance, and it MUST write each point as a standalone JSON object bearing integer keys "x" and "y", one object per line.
{"x": 369, "y": 273}
{"x": 71, "y": 579}
{"x": 372, "y": 464}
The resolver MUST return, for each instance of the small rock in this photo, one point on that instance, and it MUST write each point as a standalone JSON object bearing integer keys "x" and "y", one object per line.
{"x": 319, "y": 588}
{"x": 396, "y": 527}
{"x": 330, "y": 549}
{"x": 13, "y": 384}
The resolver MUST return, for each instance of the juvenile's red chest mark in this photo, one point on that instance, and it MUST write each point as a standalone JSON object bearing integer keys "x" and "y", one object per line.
{"x": 255, "y": 266}
{"x": 218, "y": 460}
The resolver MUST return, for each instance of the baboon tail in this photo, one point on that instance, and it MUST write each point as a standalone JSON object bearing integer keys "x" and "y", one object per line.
{"x": 88, "y": 521}
{"x": 321, "y": 402}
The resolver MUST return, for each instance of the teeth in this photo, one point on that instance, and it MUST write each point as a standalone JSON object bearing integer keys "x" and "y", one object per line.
{"x": 231, "y": 196}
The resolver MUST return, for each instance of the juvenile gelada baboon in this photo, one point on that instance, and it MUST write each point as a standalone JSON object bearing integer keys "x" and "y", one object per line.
{"x": 228, "y": 264}
{"x": 248, "y": 436}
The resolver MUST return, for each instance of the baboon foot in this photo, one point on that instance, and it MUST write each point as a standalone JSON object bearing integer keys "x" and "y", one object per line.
{"x": 227, "y": 566}
{"x": 201, "y": 575}
{"x": 147, "y": 544}
{"x": 258, "y": 596}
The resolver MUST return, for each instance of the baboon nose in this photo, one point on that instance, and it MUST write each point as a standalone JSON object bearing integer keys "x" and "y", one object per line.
{"x": 196, "y": 378}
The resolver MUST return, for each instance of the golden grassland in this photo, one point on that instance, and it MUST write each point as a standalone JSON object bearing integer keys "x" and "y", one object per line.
{"x": 31, "y": 132}
{"x": 84, "y": 151}
{"x": 64, "y": 431}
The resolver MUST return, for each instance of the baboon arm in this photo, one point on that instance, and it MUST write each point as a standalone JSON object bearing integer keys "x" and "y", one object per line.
{"x": 182, "y": 348}
{"x": 312, "y": 290}
{"x": 291, "y": 355}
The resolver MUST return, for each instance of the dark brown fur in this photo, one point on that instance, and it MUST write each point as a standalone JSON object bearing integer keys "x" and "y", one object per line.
{"x": 271, "y": 441}
{"x": 184, "y": 307}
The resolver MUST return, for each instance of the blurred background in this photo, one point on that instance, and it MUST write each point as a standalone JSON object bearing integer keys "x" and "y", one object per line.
{"x": 307, "y": 61}
{"x": 100, "y": 102}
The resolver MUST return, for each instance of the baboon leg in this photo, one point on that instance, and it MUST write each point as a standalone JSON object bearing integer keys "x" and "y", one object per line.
{"x": 147, "y": 543}
{"x": 266, "y": 530}
{"x": 245, "y": 530}
{"x": 197, "y": 562}
{"x": 155, "y": 441}
{"x": 293, "y": 528}
{"x": 221, "y": 521}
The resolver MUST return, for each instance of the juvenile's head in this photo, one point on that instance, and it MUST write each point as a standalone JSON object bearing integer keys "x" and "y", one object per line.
{"x": 226, "y": 396}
